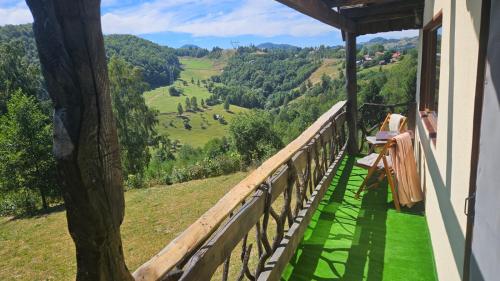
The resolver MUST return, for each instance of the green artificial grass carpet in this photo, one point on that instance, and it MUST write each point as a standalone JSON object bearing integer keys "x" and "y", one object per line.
{"x": 362, "y": 239}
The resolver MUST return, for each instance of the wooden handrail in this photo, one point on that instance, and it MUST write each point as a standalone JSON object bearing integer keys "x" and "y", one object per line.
{"x": 197, "y": 233}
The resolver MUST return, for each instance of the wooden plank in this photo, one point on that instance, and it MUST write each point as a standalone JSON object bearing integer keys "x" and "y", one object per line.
{"x": 277, "y": 262}
{"x": 352, "y": 92}
{"x": 319, "y": 10}
{"x": 341, "y": 3}
{"x": 300, "y": 160}
{"x": 201, "y": 229}
{"x": 389, "y": 18}
{"x": 412, "y": 22}
{"x": 374, "y": 10}
{"x": 213, "y": 253}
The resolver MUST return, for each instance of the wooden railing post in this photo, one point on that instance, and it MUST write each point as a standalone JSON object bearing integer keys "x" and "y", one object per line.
{"x": 351, "y": 87}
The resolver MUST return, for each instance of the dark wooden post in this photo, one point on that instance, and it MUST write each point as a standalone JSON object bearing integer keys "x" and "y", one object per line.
{"x": 351, "y": 89}
{"x": 71, "y": 49}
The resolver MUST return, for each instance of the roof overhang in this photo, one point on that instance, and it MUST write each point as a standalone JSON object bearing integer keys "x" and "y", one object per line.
{"x": 363, "y": 16}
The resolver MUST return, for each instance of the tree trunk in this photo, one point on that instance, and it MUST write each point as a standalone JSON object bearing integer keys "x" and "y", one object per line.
{"x": 351, "y": 87}
{"x": 44, "y": 198}
{"x": 71, "y": 49}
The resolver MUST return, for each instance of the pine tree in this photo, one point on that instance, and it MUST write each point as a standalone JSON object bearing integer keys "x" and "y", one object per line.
{"x": 180, "y": 110}
{"x": 194, "y": 103}
{"x": 188, "y": 104}
{"x": 202, "y": 103}
{"x": 226, "y": 104}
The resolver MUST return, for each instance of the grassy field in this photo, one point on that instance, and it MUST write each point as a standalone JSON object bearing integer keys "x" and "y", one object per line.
{"x": 204, "y": 127}
{"x": 329, "y": 67}
{"x": 40, "y": 248}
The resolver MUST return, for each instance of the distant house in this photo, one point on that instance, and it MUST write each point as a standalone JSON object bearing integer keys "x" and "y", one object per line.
{"x": 396, "y": 55}
{"x": 377, "y": 54}
{"x": 367, "y": 58}
{"x": 382, "y": 62}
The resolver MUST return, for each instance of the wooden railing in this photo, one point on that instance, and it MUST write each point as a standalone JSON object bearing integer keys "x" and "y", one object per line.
{"x": 370, "y": 116}
{"x": 287, "y": 188}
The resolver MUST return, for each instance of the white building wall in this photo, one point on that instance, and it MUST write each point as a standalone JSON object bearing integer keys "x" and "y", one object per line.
{"x": 445, "y": 167}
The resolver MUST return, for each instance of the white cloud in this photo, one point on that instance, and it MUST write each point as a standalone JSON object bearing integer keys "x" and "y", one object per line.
{"x": 212, "y": 18}
{"x": 220, "y": 18}
{"x": 14, "y": 14}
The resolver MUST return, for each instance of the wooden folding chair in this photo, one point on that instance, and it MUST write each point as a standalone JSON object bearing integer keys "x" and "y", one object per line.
{"x": 379, "y": 162}
{"x": 372, "y": 140}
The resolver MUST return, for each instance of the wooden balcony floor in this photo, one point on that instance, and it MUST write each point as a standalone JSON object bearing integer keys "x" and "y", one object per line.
{"x": 366, "y": 239}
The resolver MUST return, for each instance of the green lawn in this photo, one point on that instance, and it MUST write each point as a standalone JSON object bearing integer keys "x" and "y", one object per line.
{"x": 353, "y": 240}
{"x": 40, "y": 248}
{"x": 204, "y": 127}
{"x": 329, "y": 67}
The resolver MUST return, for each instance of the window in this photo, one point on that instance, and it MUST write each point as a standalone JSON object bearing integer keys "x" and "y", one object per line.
{"x": 431, "y": 60}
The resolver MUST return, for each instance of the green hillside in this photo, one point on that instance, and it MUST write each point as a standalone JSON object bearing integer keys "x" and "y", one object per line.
{"x": 203, "y": 126}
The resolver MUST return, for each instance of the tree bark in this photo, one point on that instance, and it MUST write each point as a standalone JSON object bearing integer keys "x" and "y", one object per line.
{"x": 71, "y": 49}
{"x": 351, "y": 87}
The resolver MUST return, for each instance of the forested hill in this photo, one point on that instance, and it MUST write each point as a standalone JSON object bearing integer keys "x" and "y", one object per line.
{"x": 255, "y": 78}
{"x": 159, "y": 64}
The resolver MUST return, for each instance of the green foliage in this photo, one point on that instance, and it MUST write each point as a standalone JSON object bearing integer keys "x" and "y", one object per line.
{"x": 17, "y": 72}
{"x": 23, "y": 201}
{"x": 174, "y": 92}
{"x": 26, "y": 162}
{"x": 194, "y": 103}
{"x": 135, "y": 121}
{"x": 401, "y": 80}
{"x": 159, "y": 64}
{"x": 257, "y": 79}
{"x": 215, "y": 53}
{"x": 188, "y": 104}
{"x": 226, "y": 104}
{"x": 180, "y": 110}
{"x": 191, "y": 51}
{"x": 253, "y": 136}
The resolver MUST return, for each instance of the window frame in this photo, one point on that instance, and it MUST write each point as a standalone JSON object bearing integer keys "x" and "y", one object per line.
{"x": 428, "y": 110}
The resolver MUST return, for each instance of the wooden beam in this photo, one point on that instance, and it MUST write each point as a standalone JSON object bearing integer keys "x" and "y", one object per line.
{"x": 319, "y": 10}
{"x": 387, "y": 17}
{"x": 389, "y": 25}
{"x": 373, "y": 10}
{"x": 352, "y": 88}
{"x": 341, "y": 3}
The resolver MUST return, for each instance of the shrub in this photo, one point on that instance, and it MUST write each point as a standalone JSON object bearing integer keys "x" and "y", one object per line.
{"x": 19, "y": 202}
{"x": 135, "y": 181}
{"x": 208, "y": 167}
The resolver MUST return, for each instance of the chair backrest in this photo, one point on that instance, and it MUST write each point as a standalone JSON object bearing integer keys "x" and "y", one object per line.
{"x": 394, "y": 122}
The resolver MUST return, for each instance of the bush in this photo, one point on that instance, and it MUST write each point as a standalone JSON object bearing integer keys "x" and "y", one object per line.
{"x": 19, "y": 202}
{"x": 208, "y": 167}
{"x": 135, "y": 181}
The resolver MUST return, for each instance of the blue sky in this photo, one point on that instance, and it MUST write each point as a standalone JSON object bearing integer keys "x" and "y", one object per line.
{"x": 206, "y": 23}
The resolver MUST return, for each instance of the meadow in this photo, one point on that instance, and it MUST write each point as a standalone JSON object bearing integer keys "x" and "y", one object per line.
{"x": 203, "y": 126}
{"x": 43, "y": 242}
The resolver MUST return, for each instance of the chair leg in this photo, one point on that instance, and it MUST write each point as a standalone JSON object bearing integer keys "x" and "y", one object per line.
{"x": 391, "y": 184}
{"x": 372, "y": 170}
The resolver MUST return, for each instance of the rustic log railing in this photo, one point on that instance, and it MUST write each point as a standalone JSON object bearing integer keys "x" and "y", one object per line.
{"x": 287, "y": 188}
